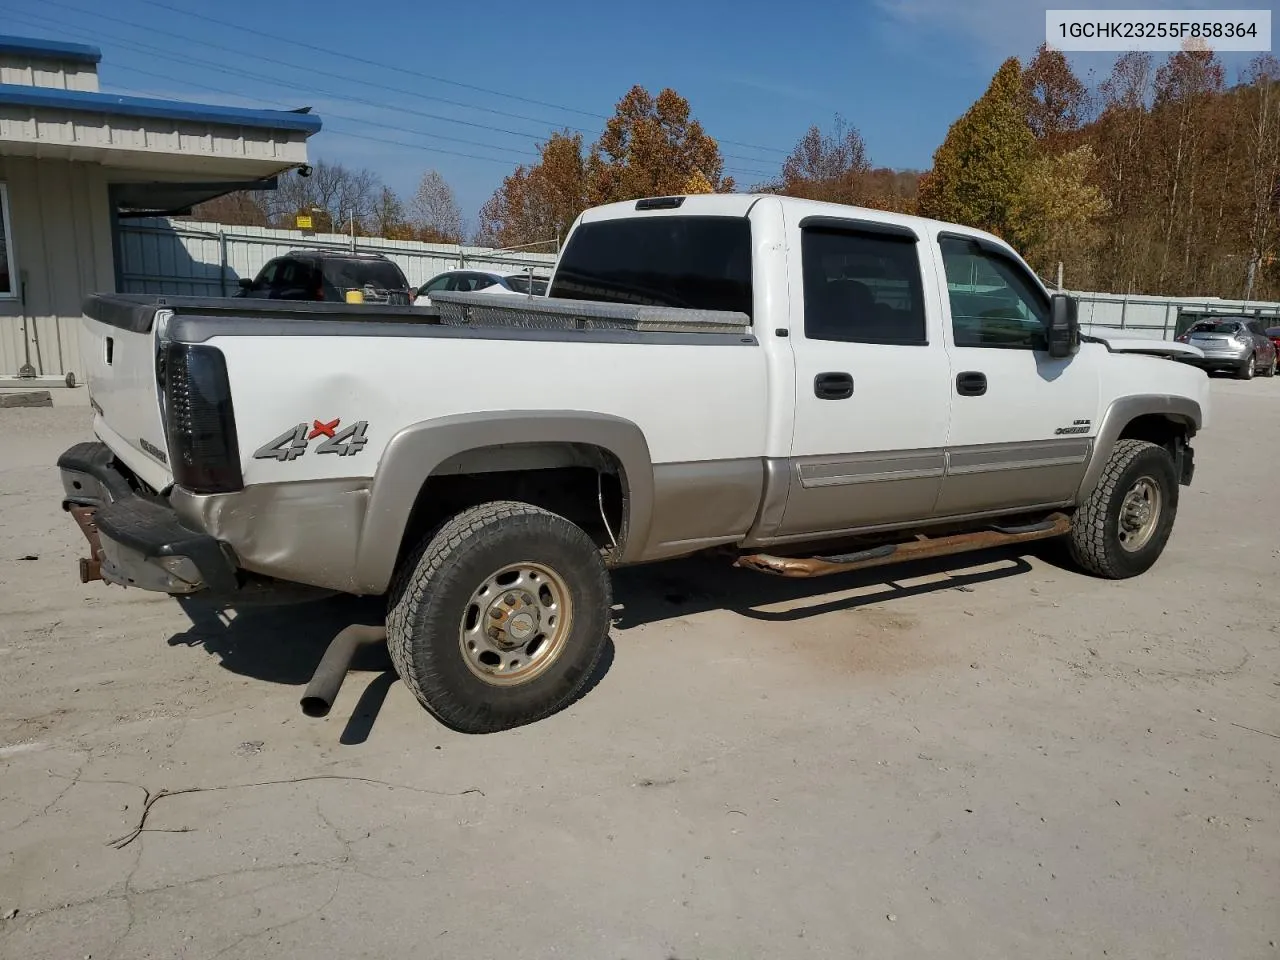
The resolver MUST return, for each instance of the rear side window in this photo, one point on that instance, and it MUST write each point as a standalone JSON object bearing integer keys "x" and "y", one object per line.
{"x": 355, "y": 274}
{"x": 521, "y": 285}
{"x": 701, "y": 263}
{"x": 862, "y": 287}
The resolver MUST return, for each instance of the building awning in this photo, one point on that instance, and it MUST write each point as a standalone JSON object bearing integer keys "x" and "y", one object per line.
{"x": 150, "y": 199}
{"x": 150, "y": 135}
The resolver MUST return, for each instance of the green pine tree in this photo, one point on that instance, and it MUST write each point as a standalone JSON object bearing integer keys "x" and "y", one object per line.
{"x": 978, "y": 172}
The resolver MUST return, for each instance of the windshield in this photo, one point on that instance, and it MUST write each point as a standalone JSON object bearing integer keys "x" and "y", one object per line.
{"x": 355, "y": 274}
{"x": 701, "y": 263}
{"x": 1211, "y": 327}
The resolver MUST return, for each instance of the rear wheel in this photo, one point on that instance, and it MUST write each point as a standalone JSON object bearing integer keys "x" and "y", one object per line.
{"x": 1122, "y": 527}
{"x": 1248, "y": 368}
{"x": 499, "y": 618}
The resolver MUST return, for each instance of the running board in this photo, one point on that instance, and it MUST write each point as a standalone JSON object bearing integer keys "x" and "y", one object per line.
{"x": 920, "y": 549}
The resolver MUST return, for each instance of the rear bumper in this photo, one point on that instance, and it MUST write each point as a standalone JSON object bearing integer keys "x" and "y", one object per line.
{"x": 136, "y": 540}
{"x": 1219, "y": 360}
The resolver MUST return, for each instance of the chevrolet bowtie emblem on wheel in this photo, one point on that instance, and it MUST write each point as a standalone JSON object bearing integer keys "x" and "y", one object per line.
{"x": 293, "y": 443}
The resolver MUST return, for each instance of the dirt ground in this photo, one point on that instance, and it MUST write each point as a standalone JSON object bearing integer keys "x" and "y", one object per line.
{"x": 991, "y": 757}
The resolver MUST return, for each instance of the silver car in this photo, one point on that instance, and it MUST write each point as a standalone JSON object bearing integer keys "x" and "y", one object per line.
{"x": 1238, "y": 344}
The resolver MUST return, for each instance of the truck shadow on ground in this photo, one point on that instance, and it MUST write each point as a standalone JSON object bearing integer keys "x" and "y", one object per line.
{"x": 284, "y": 644}
{"x": 696, "y": 585}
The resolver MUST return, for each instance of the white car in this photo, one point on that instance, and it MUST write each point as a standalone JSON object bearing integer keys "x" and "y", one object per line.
{"x": 480, "y": 281}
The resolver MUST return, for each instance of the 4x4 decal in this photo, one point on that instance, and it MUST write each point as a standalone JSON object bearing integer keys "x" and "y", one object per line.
{"x": 293, "y": 442}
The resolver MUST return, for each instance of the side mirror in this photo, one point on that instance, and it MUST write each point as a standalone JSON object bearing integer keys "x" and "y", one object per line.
{"x": 1064, "y": 326}
{"x": 246, "y": 283}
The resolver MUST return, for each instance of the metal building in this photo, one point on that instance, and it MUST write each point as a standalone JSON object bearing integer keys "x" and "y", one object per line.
{"x": 75, "y": 161}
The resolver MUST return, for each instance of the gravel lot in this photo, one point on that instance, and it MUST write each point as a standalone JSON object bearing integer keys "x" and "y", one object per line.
{"x": 990, "y": 757}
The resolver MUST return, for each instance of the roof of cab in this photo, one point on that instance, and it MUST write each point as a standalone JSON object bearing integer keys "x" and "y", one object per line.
{"x": 740, "y": 204}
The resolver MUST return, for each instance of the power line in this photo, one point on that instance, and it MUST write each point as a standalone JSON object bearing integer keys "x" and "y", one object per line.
{"x": 162, "y": 53}
{"x": 427, "y": 76}
{"x": 306, "y": 88}
{"x": 372, "y": 123}
{"x": 309, "y": 68}
{"x": 382, "y": 66}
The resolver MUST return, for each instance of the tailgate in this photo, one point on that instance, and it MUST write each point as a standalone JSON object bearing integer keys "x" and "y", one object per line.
{"x": 119, "y": 356}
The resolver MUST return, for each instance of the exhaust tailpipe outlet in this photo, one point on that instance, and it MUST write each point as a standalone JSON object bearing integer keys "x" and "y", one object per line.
{"x": 327, "y": 680}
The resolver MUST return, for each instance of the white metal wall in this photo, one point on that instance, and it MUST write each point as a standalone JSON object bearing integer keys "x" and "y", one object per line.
{"x": 187, "y": 258}
{"x": 1160, "y": 318}
{"x": 62, "y": 249}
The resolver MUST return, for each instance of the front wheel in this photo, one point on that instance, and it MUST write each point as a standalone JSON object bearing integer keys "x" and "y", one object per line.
{"x": 500, "y": 617}
{"x": 1123, "y": 525}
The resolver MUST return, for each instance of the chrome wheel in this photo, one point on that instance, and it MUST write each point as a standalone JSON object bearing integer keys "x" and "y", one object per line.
{"x": 516, "y": 624}
{"x": 1139, "y": 514}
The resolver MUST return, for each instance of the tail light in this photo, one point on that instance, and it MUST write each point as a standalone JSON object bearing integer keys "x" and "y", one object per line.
{"x": 203, "y": 448}
{"x": 1185, "y": 338}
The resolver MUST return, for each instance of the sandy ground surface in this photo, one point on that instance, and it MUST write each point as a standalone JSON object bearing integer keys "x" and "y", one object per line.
{"x": 995, "y": 757}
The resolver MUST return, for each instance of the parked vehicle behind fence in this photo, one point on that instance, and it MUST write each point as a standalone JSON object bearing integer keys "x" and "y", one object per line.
{"x": 1238, "y": 344}
{"x": 330, "y": 275}
{"x": 480, "y": 281}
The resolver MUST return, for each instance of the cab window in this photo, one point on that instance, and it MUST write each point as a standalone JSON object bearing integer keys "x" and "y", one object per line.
{"x": 862, "y": 287}
{"x": 994, "y": 303}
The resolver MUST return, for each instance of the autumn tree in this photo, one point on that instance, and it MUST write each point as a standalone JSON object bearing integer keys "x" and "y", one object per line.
{"x": 978, "y": 171}
{"x": 893, "y": 190}
{"x": 1261, "y": 128}
{"x": 1059, "y": 211}
{"x": 831, "y": 167}
{"x": 651, "y": 147}
{"x": 388, "y": 217}
{"x": 436, "y": 216}
{"x": 1184, "y": 98}
{"x": 538, "y": 203}
{"x": 333, "y": 194}
{"x": 243, "y": 208}
{"x": 1056, "y": 99}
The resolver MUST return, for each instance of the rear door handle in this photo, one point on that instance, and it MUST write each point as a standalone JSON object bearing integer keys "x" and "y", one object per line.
{"x": 833, "y": 386}
{"x": 971, "y": 383}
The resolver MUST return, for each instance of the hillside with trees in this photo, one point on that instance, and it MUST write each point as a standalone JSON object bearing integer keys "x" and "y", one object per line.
{"x": 1165, "y": 179}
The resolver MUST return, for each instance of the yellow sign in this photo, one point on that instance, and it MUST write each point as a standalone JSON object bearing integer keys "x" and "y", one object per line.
{"x": 355, "y": 296}
{"x": 304, "y": 221}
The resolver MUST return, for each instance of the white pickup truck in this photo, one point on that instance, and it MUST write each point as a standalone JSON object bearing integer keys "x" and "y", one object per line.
{"x": 808, "y": 388}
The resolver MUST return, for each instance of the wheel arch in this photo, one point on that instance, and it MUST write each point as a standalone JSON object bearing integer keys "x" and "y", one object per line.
{"x": 1156, "y": 418}
{"x": 504, "y": 442}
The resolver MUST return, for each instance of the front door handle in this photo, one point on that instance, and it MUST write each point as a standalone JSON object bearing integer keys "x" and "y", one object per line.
{"x": 833, "y": 386}
{"x": 971, "y": 383}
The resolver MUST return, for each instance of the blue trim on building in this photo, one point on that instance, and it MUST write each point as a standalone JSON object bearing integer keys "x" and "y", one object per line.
{"x": 114, "y": 105}
{"x": 50, "y": 49}
{"x": 51, "y": 98}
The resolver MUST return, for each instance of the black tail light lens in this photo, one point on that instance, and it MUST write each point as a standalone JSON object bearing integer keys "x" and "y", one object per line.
{"x": 203, "y": 448}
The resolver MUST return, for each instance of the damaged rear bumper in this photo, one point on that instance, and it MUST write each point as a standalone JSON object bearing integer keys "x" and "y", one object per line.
{"x": 136, "y": 540}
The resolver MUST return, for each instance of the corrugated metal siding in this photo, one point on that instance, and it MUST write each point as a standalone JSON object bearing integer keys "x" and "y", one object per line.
{"x": 76, "y": 130}
{"x": 15, "y": 68}
{"x": 185, "y": 257}
{"x": 1158, "y": 318}
{"x": 62, "y": 246}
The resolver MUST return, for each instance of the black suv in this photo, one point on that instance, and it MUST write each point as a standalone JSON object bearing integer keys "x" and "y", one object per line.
{"x": 329, "y": 275}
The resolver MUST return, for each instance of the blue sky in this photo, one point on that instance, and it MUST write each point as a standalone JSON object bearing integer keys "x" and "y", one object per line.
{"x": 757, "y": 73}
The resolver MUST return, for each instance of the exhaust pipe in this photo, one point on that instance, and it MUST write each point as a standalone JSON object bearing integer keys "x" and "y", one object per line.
{"x": 327, "y": 680}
